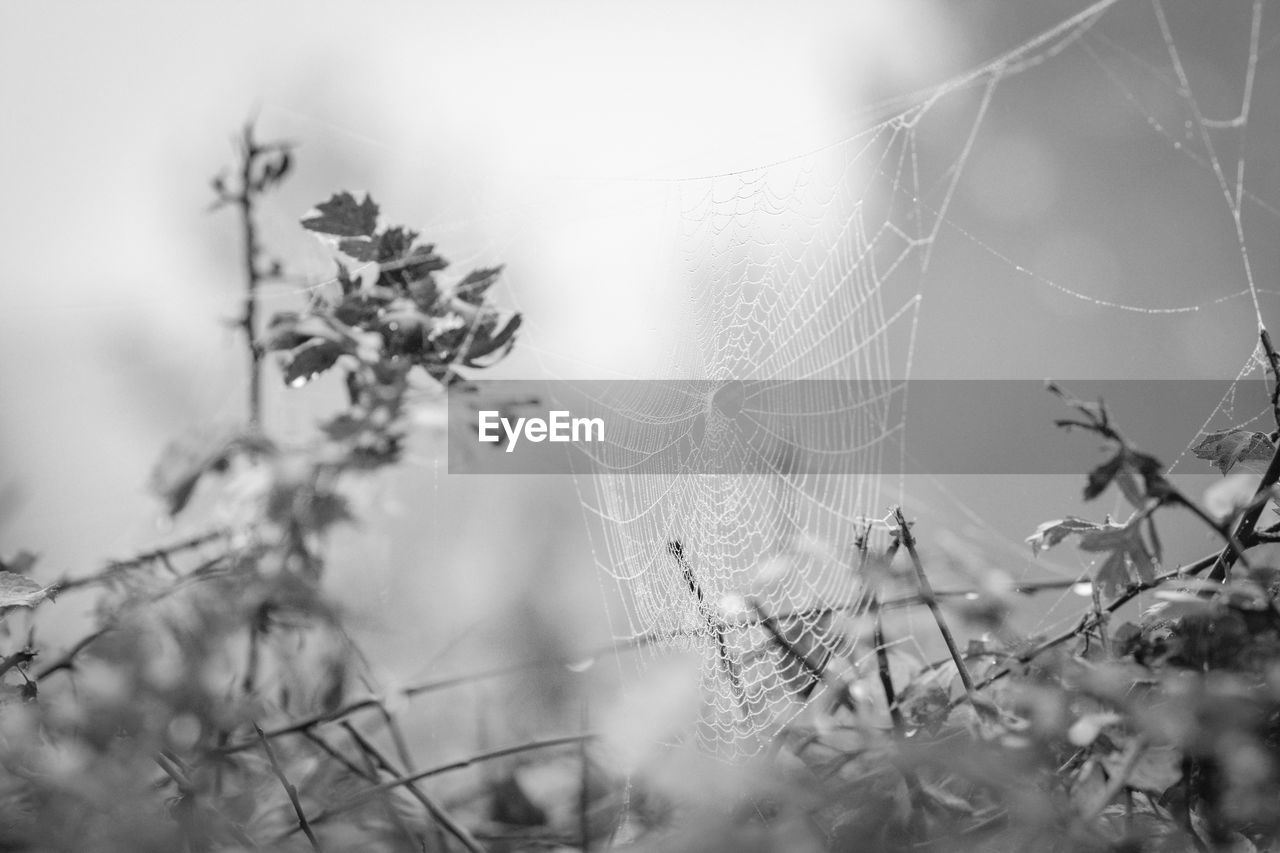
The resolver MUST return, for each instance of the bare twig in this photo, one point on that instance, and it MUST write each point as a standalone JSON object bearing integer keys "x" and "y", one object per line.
{"x": 289, "y": 789}
{"x": 417, "y": 836}
{"x": 818, "y": 671}
{"x": 260, "y": 166}
{"x": 931, "y": 601}
{"x": 20, "y": 658}
{"x": 68, "y": 659}
{"x": 182, "y": 780}
{"x": 249, "y": 152}
{"x": 160, "y": 555}
{"x": 334, "y": 753}
{"x": 305, "y": 723}
{"x": 442, "y": 817}
{"x": 365, "y": 796}
{"x": 397, "y": 738}
{"x": 886, "y": 678}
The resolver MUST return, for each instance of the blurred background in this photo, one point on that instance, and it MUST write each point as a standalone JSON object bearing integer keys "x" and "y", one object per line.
{"x": 564, "y": 140}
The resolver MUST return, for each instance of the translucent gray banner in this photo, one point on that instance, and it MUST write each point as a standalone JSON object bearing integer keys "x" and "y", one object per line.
{"x": 826, "y": 427}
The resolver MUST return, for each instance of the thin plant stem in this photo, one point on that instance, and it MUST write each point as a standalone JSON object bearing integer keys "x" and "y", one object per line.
{"x": 817, "y": 671}
{"x": 438, "y": 813}
{"x": 290, "y": 790}
{"x": 886, "y": 677}
{"x": 931, "y": 601}
{"x": 367, "y": 795}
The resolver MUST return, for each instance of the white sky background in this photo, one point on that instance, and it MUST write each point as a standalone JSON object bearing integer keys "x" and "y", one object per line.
{"x": 508, "y": 132}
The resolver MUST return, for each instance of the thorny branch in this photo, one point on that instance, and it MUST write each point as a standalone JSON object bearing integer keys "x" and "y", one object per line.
{"x": 261, "y": 166}
{"x": 158, "y": 555}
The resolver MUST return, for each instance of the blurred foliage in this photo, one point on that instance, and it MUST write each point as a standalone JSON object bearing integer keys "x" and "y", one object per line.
{"x": 220, "y": 705}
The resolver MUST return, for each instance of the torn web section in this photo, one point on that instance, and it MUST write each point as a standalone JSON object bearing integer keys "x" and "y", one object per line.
{"x": 800, "y": 279}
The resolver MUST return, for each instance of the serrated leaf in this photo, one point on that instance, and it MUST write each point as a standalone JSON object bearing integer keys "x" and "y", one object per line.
{"x": 473, "y": 287}
{"x": 1050, "y": 533}
{"x": 1128, "y": 550}
{"x": 394, "y": 245}
{"x": 343, "y": 216}
{"x": 21, "y": 591}
{"x": 1227, "y": 448}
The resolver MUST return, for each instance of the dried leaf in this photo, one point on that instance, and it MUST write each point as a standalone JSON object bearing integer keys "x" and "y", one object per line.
{"x": 21, "y": 591}
{"x": 1226, "y": 448}
{"x": 1052, "y": 532}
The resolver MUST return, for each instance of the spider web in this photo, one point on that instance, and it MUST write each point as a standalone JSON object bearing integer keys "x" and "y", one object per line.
{"x": 824, "y": 266}
{"x": 815, "y": 268}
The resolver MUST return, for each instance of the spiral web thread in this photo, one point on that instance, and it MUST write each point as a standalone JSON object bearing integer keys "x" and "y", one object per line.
{"x": 814, "y": 268}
